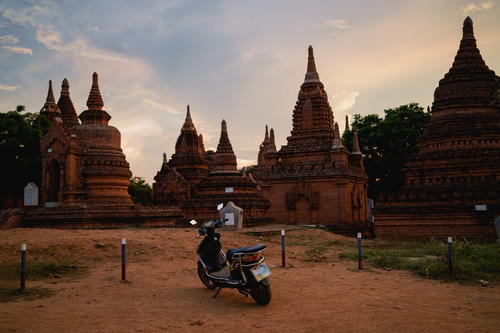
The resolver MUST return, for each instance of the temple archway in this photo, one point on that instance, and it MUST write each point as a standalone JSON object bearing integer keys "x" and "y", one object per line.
{"x": 54, "y": 181}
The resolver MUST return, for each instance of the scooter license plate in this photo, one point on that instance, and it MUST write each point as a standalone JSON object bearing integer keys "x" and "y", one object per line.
{"x": 260, "y": 272}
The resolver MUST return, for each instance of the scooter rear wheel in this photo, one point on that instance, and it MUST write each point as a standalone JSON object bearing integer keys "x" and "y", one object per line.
{"x": 261, "y": 293}
{"x": 204, "y": 278}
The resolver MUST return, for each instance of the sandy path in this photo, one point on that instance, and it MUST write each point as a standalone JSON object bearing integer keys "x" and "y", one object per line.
{"x": 164, "y": 294}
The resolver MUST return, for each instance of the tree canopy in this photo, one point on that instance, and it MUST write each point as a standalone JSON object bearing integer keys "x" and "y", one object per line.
{"x": 20, "y": 135}
{"x": 387, "y": 142}
{"x": 140, "y": 191}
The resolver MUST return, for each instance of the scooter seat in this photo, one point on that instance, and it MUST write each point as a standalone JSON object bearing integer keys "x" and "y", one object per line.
{"x": 246, "y": 249}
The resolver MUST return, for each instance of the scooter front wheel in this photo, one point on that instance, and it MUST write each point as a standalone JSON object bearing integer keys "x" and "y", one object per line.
{"x": 204, "y": 278}
{"x": 261, "y": 292}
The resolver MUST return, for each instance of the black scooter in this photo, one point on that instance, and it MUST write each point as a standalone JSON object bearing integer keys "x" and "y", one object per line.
{"x": 243, "y": 268}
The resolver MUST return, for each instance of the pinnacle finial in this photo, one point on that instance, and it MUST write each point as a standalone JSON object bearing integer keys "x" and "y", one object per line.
{"x": 188, "y": 122}
{"x": 188, "y": 115}
{"x": 272, "y": 137}
{"x": 65, "y": 87}
{"x": 94, "y": 102}
{"x": 223, "y": 126}
{"x": 355, "y": 144}
{"x": 50, "y": 94}
{"x": 164, "y": 157}
{"x": 468, "y": 28}
{"x": 337, "y": 142}
{"x": 346, "y": 123}
{"x": 266, "y": 136}
{"x": 311, "y": 73}
{"x": 311, "y": 65}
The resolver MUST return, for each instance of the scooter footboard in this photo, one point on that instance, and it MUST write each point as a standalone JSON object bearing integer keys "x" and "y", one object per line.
{"x": 215, "y": 263}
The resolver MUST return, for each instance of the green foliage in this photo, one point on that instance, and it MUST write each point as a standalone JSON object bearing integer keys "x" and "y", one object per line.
{"x": 20, "y": 135}
{"x": 471, "y": 261}
{"x": 140, "y": 191}
{"x": 387, "y": 143}
{"x": 247, "y": 169}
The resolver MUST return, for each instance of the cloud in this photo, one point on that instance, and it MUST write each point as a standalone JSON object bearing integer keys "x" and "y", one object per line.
{"x": 8, "y": 88}
{"x": 473, "y": 7}
{"x": 258, "y": 55}
{"x": 32, "y": 15}
{"x": 344, "y": 101}
{"x": 9, "y": 39}
{"x": 18, "y": 49}
{"x": 80, "y": 46}
{"x": 334, "y": 23}
{"x": 161, "y": 106}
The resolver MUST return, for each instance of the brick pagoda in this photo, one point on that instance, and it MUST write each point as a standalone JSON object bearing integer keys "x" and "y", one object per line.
{"x": 187, "y": 167}
{"x": 313, "y": 179}
{"x": 452, "y": 186}
{"x": 85, "y": 175}
{"x": 225, "y": 183}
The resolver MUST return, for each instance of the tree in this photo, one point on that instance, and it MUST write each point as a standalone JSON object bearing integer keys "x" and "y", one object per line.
{"x": 387, "y": 143}
{"x": 20, "y": 135}
{"x": 140, "y": 191}
{"x": 247, "y": 169}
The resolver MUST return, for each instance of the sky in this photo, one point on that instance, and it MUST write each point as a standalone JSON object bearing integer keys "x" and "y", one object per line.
{"x": 242, "y": 61}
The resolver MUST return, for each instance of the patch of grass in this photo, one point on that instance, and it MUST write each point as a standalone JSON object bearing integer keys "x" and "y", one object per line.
{"x": 316, "y": 252}
{"x": 471, "y": 262}
{"x": 29, "y": 294}
{"x": 41, "y": 270}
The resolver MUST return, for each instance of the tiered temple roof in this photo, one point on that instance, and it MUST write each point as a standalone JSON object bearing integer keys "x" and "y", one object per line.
{"x": 225, "y": 183}
{"x": 312, "y": 115}
{"x": 68, "y": 112}
{"x": 189, "y": 157}
{"x": 50, "y": 109}
{"x": 457, "y": 165}
{"x": 314, "y": 166}
{"x": 106, "y": 172}
{"x": 85, "y": 175}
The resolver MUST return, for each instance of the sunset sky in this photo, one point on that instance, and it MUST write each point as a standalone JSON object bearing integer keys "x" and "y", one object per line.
{"x": 239, "y": 60}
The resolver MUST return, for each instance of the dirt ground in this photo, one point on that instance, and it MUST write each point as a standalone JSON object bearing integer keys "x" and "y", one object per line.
{"x": 163, "y": 293}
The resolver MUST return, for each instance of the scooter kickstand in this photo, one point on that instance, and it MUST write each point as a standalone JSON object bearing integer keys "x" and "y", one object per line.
{"x": 217, "y": 293}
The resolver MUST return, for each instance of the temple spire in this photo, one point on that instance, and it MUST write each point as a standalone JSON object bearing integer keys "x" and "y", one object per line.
{"x": 266, "y": 137}
{"x": 468, "y": 28}
{"x": 311, "y": 73}
{"x": 65, "y": 87}
{"x": 188, "y": 123}
{"x": 224, "y": 145}
{"x": 50, "y": 94}
{"x": 94, "y": 102}
{"x": 271, "y": 139}
{"x": 355, "y": 144}
{"x": 224, "y": 159}
{"x": 95, "y": 114}
{"x": 202, "y": 145}
{"x": 337, "y": 142}
{"x": 311, "y": 65}
{"x": 50, "y": 108}
{"x": 346, "y": 123}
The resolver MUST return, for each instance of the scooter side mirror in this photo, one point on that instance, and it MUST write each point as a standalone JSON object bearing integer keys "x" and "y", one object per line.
{"x": 193, "y": 222}
{"x": 220, "y": 206}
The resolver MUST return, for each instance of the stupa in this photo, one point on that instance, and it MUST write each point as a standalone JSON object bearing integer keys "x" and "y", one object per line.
{"x": 187, "y": 167}
{"x": 313, "y": 179}
{"x": 452, "y": 186}
{"x": 85, "y": 175}
{"x": 225, "y": 183}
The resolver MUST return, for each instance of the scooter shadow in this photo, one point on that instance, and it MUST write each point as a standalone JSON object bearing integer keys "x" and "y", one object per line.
{"x": 227, "y": 298}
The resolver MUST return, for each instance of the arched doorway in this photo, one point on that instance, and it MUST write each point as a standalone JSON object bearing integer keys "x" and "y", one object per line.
{"x": 54, "y": 181}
